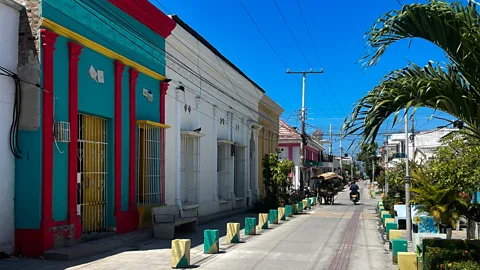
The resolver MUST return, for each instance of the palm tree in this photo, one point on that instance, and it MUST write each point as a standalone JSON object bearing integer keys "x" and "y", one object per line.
{"x": 452, "y": 87}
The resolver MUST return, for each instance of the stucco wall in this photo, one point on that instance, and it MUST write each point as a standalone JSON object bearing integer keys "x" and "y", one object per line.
{"x": 9, "y": 20}
{"x": 222, "y": 114}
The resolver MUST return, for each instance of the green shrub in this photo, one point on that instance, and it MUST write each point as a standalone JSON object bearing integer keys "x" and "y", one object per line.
{"x": 467, "y": 265}
{"x": 438, "y": 258}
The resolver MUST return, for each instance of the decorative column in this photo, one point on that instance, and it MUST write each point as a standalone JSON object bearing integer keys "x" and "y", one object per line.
{"x": 198, "y": 99}
{"x": 215, "y": 153}
{"x": 48, "y": 47}
{"x": 74, "y": 51}
{"x": 119, "y": 67}
{"x": 178, "y": 141}
{"x": 132, "y": 159}
{"x": 163, "y": 94}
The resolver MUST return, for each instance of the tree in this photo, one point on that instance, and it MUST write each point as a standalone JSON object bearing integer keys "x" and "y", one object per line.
{"x": 453, "y": 87}
{"x": 368, "y": 155}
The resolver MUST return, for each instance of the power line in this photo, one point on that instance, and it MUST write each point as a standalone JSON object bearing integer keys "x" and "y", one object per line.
{"x": 317, "y": 55}
{"x": 167, "y": 55}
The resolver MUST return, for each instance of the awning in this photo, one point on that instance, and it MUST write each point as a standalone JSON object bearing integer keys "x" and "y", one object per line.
{"x": 328, "y": 176}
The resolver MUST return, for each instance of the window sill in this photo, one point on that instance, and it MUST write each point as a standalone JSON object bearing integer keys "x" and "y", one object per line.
{"x": 223, "y": 201}
{"x": 191, "y": 206}
{"x": 239, "y": 198}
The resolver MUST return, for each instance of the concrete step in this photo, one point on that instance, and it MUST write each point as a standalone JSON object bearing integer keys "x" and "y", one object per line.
{"x": 91, "y": 248}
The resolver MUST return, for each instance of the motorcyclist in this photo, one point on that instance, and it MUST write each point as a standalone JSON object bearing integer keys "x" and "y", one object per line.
{"x": 354, "y": 190}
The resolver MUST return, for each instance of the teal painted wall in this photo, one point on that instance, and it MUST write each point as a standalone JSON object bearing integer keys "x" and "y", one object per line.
{"x": 120, "y": 33}
{"x": 125, "y": 137}
{"x": 60, "y": 154}
{"x": 98, "y": 99}
{"x": 147, "y": 110}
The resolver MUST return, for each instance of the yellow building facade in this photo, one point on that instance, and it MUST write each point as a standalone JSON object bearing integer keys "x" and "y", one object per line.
{"x": 269, "y": 117}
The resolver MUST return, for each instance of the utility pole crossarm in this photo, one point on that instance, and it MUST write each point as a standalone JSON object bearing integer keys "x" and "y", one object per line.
{"x": 304, "y": 139}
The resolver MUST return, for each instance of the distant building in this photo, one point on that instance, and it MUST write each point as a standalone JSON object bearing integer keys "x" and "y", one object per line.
{"x": 316, "y": 162}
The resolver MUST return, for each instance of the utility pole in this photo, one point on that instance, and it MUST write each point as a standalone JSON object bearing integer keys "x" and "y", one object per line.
{"x": 341, "y": 148}
{"x": 412, "y": 138}
{"x": 331, "y": 148}
{"x": 385, "y": 186}
{"x": 351, "y": 170}
{"x": 407, "y": 183}
{"x": 373, "y": 171}
{"x": 304, "y": 138}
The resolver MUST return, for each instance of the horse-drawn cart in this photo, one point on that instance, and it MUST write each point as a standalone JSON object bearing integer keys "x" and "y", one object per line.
{"x": 327, "y": 187}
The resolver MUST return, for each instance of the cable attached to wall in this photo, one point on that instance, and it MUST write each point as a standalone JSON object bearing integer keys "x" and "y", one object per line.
{"x": 14, "y": 148}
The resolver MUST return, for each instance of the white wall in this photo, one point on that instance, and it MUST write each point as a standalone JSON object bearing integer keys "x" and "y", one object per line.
{"x": 9, "y": 18}
{"x": 213, "y": 106}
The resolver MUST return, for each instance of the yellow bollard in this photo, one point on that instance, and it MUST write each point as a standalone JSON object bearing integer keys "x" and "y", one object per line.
{"x": 263, "y": 221}
{"x": 407, "y": 261}
{"x": 180, "y": 253}
{"x": 233, "y": 233}
{"x": 281, "y": 213}
{"x": 395, "y": 234}
{"x": 388, "y": 220}
{"x": 305, "y": 204}
{"x": 383, "y": 212}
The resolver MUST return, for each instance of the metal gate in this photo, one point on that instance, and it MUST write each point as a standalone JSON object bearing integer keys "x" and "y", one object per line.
{"x": 92, "y": 173}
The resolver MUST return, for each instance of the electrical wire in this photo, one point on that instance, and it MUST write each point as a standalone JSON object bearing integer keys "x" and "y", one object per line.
{"x": 14, "y": 127}
{"x": 173, "y": 60}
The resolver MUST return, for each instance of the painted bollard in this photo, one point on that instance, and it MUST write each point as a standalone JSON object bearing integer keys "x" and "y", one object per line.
{"x": 180, "y": 253}
{"x": 263, "y": 221}
{"x": 233, "y": 233}
{"x": 390, "y": 226}
{"x": 300, "y": 206}
{"x": 288, "y": 210}
{"x": 305, "y": 204}
{"x": 250, "y": 226}
{"x": 295, "y": 209}
{"x": 314, "y": 201}
{"x": 211, "y": 241}
{"x": 309, "y": 203}
{"x": 273, "y": 216}
{"x": 388, "y": 220}
{"x": 281, "y": 213}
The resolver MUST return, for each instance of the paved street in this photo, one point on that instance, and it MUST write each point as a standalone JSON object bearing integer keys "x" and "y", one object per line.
{"x": 342, "y": 236}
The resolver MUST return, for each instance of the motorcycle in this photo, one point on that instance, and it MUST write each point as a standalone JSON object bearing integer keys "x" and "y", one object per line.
{"x": 354, "y": 197}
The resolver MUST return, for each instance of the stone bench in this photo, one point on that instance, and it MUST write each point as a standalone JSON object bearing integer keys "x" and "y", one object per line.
{"x": 166, "y": 218}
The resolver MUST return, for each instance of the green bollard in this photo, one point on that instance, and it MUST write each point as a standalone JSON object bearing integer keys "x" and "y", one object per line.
{"x": 273, "y": 216}
{"x": 250, "y": 226}
{"x": 211, "y": 241}
{"x": 288, "y": 210}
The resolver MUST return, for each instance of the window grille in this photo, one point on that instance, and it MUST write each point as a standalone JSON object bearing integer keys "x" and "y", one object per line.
{"x": 240, "y": 171}
{"x": 189, "y": 169}
{"x": 149, "y": 163}
{"x": 224, "y": 170}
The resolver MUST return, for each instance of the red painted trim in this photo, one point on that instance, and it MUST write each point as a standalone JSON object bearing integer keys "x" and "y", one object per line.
{"x": 290, "y": 153}
{"x": 146, "y": 13}
{"x": 289, "y": 145}
{"x": 119, "y": 67}
{"x": 74, "y": 51}
{"x": 133, "y": 139}
{"x": 163, "y": 93}
{"x": 48, "y": 47}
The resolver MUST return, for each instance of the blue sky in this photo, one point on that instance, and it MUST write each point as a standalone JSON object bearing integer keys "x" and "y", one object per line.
{"x": 337, "y": 29}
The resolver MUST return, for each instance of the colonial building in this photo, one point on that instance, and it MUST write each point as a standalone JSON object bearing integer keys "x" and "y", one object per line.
{"x": 289, "y": 144}
{"x": 269, "y": 116}
{"x": 213, "y": 108}
{"x": 93, "y": 119}
{"x": 9, "y": 101}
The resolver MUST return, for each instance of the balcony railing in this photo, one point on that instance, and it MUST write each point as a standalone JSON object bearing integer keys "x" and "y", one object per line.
{"x": 326, "y": 158}
{"x": 397, "y": 155}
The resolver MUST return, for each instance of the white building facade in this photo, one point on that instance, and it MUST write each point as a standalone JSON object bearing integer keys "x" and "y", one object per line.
{"x": 212, "y": 111}
{"x": 9, "y": 21}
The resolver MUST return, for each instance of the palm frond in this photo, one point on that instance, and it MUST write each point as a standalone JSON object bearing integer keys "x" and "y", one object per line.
{"x": 434, "y": 86}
